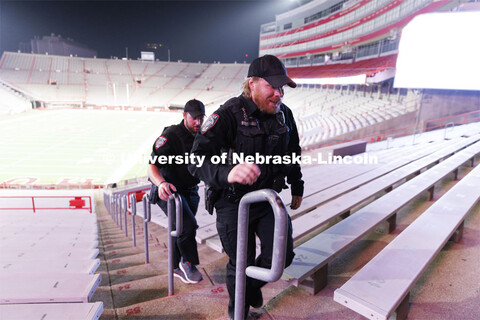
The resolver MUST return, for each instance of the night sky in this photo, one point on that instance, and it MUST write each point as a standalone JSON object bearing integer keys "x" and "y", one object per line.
{"x": 194, "y": 31}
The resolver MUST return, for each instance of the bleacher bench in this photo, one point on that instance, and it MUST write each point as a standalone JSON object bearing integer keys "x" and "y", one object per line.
{"x": 47, "y": 288}
{"x": 71, "y": 311}
{"x": 13, "y": 265}
{"x": 49, "y": 253}
{"x": 382, "y": 287}
{"x": 313, "y": 203}
{"x": 341, "y": 206}
{"x": 313, "y": 256}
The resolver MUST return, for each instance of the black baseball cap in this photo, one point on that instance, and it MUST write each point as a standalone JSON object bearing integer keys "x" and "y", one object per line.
{"x": 195, "y": 108}
{"x": 272, "y": 70}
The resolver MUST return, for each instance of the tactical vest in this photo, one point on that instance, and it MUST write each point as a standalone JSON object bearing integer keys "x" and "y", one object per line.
{"x": 266, "y": 135}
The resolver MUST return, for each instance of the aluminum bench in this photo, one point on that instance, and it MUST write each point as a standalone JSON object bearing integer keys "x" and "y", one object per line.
{"x": 382, "y": 287}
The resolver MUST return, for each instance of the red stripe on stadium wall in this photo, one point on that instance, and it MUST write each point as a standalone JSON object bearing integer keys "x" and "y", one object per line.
{"x": 433, "y": 6}
{"x": 318, "y": 23}
{"x": 78, "y": 202}
{"x": 352, "y": 25}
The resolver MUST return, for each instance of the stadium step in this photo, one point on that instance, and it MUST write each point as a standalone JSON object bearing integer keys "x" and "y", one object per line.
{"x": 119, "y": 253}
{"x": 75, "y": 311}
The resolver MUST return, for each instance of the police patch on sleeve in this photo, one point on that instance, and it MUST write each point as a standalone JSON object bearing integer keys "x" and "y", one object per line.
{"x": 210, "y": 122}
{"x": 160, "y": 142}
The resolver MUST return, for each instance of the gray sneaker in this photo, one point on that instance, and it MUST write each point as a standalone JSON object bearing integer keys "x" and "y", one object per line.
{"x": 178, "y": 273}
{"x": 191, "y": 272}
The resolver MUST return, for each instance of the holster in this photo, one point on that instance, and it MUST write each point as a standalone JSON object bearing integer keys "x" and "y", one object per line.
{"x": 153, "y": 196}
{"x": 211, "y": 197}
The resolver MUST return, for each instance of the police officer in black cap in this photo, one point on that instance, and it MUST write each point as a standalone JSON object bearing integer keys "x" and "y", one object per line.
{"x": 169, "y": 176}
{"x": 257, "y": 122}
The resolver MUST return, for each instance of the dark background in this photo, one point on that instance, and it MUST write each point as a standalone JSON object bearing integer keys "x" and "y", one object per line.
{"x": 206, "y": 31}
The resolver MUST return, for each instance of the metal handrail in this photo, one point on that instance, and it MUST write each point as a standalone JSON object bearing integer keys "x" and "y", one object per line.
{"x": 146, "y": 219}
{"x": 173, "y": 233}
{"x": 279, "y": 245}
{"x": 133, "y": 202}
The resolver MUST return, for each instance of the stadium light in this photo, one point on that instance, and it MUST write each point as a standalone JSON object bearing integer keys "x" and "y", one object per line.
{"x": 440, "y": 51}
{"x": 358, "y": 79}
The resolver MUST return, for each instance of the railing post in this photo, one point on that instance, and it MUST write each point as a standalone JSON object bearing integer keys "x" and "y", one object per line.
{"x": 146, "y": 220}
{"x": 125, "y": 211}
{"x": 106, "y": 201}
{"x": 173, "y": 233}
{"x": 279, "y": 245}
{"x": 114, "y": 208}
{"x": 110, "y": 201}
{"x": 119, "y": 203}
{"x": 450, "y": 124}
{"x": 133, "y": 210}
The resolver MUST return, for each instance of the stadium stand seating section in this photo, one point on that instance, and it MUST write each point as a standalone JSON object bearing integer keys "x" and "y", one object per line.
{"x": 347, "y": 68}
{"x": 49, "y": 255}
{"x": 382, "y": 287}
{"x": 335, "y": 215}
{"x": 324, "y": 113}
{"x": 12, "y": 102}
{"x": 355, "y": 23}
{"x": 57, "y": 80}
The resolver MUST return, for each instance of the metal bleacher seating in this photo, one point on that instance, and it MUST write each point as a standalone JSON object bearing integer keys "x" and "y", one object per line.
{"x": 313, "y": 256}
{"x": 48, "y": 264}
{"x": 326, "y": 201}
{"x": 12, "y": 102}
{"x": 113, "y": 82}
{"x": 75, "y": 311}
{"x": 380, "y": 179}
{"x": 381, "y": 289}
{"x": 323, "y": 114}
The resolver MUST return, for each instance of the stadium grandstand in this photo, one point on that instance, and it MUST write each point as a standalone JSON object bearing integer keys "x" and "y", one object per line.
{"x": 390, "y": 219}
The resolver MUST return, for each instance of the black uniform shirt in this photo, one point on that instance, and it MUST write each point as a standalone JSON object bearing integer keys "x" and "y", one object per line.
{"x": 224, "y": 131}
{"x": 176, "y": 141}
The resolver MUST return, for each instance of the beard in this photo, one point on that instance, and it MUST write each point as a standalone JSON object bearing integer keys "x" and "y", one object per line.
{"x": 193, "y": 129}
{"x": 268, "y": 106}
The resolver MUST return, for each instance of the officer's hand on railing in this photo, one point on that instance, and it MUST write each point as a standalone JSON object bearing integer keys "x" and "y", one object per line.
{"x": 244, "y": 173}
{"x": 165, "y": 190}
{"x": 296, "y": 202}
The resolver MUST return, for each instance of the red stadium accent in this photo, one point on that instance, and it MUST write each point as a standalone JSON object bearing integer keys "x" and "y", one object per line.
{"x": 318, "y": 23}
{"x": 368, "y": 67}
{"x": 76, "y": 203}
{"x": 431, "y": 7}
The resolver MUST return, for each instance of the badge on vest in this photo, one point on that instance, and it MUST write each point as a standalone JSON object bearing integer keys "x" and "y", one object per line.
{"x": 210, "y": 122}
{"x": 160, "y": 142}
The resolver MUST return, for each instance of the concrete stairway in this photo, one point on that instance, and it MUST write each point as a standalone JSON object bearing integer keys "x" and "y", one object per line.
{"x": 131, "y": 288}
